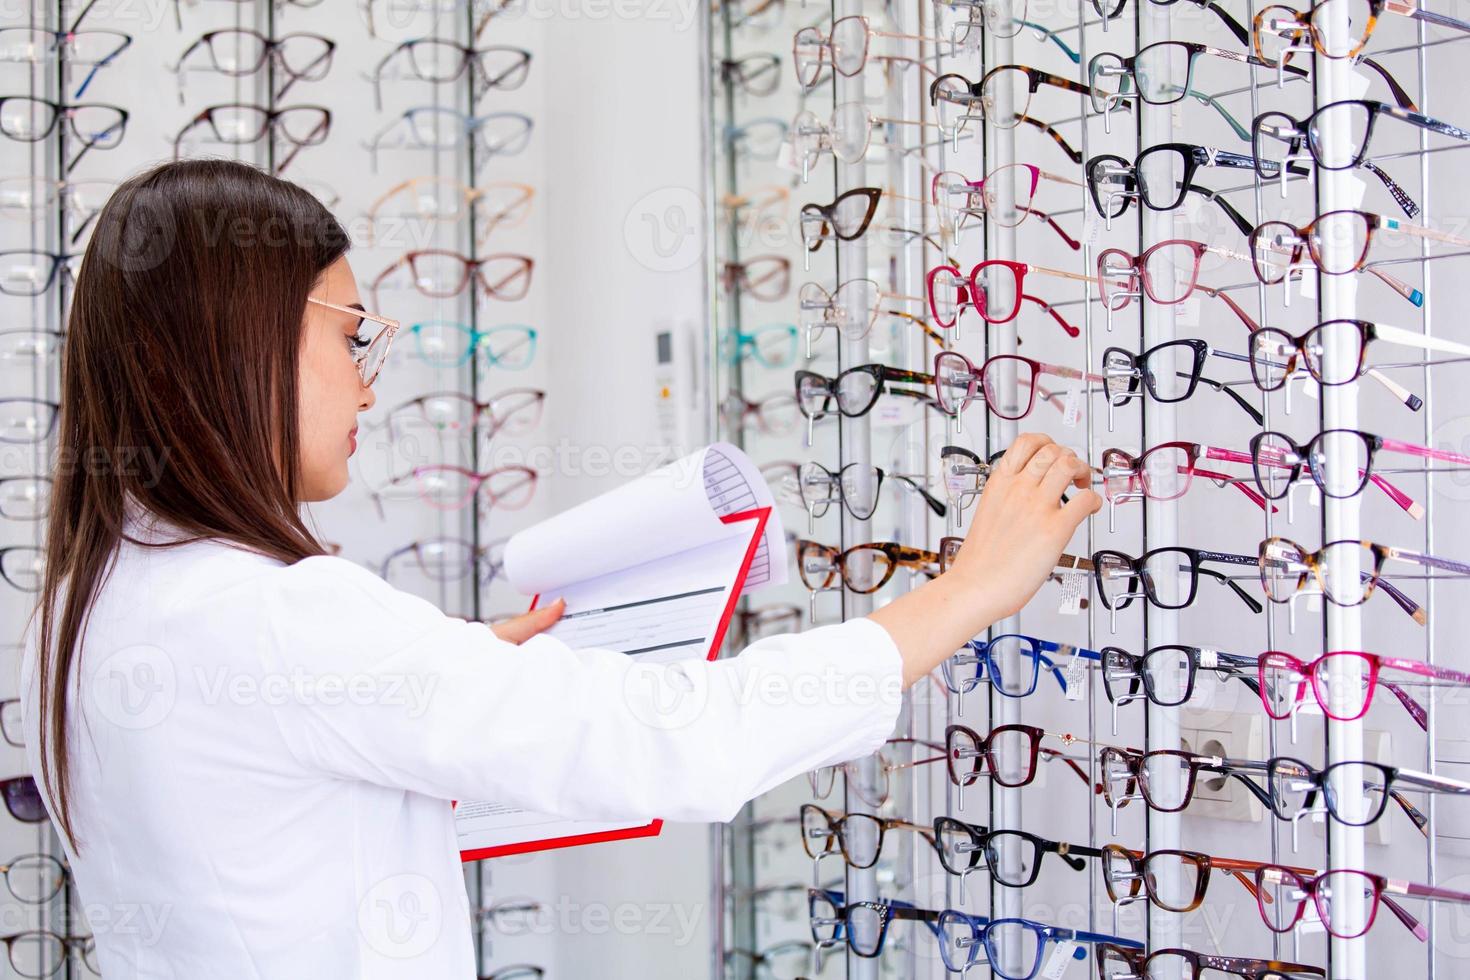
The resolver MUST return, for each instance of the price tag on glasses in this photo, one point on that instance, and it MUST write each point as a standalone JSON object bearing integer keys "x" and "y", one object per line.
{"x": 1072, "y": 676}
{"x": 1073, "y": 585}
{"x": 1091, "y": 228}
{"x": 786, "y": 157}
{"x": 1188, "y": 313}
{"x": 1072, "y": 407}
{"x": 1061, "y": 957}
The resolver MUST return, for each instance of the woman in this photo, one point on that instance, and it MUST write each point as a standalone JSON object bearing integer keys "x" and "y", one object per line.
{"x": 252, "y": 745}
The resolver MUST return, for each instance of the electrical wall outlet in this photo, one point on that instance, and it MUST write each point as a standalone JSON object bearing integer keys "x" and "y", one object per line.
{"x": 1228, "y": 734}
{"x": 1452, "y": 811}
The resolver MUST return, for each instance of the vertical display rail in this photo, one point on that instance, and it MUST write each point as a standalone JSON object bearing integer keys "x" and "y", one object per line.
{"x": 1155, "y": 126}
{"x": 1000, "y": 242}
{"x": 732, "y": 846}
{"x": 1088, "y": 257}
{"x": 740, "y": 877}
{"x": 477, "y": 873}
{"x": 1268, "y": 521}
{"x": 1337, "y": 299}
{"x": 45, "y": 381}
{"x": 1426, "y": 382}
{"x": 855, "y": 445}
{"x": 954, "y": 516}
{"x": 908, "y": 456}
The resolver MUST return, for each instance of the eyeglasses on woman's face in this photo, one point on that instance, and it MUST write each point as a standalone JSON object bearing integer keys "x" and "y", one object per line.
{"x": 368, "y": 352}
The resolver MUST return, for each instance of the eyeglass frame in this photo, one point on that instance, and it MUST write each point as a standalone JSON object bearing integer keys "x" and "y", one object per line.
{"x": 390, "y": 328}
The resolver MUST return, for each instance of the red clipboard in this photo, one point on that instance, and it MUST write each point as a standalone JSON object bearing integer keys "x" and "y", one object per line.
{"x": 759, "y": 516}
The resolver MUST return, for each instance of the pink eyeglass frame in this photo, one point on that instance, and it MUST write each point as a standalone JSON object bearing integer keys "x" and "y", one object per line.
{"x": 1310, "y": 675}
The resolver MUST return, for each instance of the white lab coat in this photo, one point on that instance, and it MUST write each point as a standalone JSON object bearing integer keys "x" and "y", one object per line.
{"x": 263, "y": 756}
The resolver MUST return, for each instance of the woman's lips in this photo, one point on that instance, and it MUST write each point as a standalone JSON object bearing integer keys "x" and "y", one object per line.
{"x": 352, "y": 437}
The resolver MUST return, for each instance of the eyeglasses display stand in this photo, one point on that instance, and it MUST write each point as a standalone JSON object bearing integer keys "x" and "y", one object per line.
{"x": 1262, "y": 810}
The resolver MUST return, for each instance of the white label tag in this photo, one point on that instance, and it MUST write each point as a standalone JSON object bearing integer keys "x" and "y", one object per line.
{"x": 1306, "y": 283}
{"x": 786, "y": 157}
{"x": 1092, "y": 223}
{"x": 889, "y": 413}
{"x": 1072, "y": 410}
{"x": 1358, "y": 84}
{"x": 1188, "y": 315}
{"x": 1314, "y": 602}
{"x": 1310, "y": 388}
{"x": 1057, "y": 963}
{"x": 1072, "y": 675}
{"x": 1072, "y": 589}
{"x": 1314, "y": 496}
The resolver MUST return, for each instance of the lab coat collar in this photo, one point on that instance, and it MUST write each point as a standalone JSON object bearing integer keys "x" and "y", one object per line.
{"x": 142, "y": 524}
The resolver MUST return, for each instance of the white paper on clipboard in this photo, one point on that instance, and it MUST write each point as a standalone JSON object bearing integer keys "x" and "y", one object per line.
{"x": 651, "y": 569}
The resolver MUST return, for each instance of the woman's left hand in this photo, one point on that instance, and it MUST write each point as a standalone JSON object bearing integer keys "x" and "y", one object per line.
{"x": 521, "y": 628}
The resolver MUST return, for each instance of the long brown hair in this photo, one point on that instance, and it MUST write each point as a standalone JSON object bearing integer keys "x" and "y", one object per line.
{"x": 182, "y": 348}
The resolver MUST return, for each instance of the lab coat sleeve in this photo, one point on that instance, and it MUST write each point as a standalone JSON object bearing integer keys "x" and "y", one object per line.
{"x": 441, "y": 706}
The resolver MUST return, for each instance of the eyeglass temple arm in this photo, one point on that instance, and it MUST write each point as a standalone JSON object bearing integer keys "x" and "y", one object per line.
{"x": 1072, "y": 243}
{"x": 1431, "y": 561}
{"x": 1400, "y": 96}
{"x": 1048, "y": 754}
{"x": 1229, "y": 480}
{"x": 1420, "y": 819}
{"x": 929, "y": 331}
{"x": 1220, "y": 294}
{"x": 1231, "y": 24}
{"x": 1050, "y": 35}
{"x": 936, "y": 506}
{"x": 1083, "y": 936}
{"x": 1409, "y": 338}
{"x": 1074, "y": 155}
{"x": 1235, "y": 396}
{"x": 1214, "y": 103}
{"x": 1415, "y": 611}
{"x": 1245, "y": 596}
{"x": 1069, "y": 329}
{"x": 1406, "y": 917}
{"x": 1236, "y": 218}
{"x": 1428, "y": 16}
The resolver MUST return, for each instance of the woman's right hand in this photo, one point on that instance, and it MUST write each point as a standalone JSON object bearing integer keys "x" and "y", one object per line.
{"x": 1018, "y": 532}
{"x": 1020, "y": 528}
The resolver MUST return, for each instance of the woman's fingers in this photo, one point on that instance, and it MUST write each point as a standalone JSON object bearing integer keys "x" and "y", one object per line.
{"x": 1021, "y": 451}
{"x": 1065, "y": 471}
{"x": 1081, "y": 507}
{"x": 1042, "y": 462}
{"x": 521, "y": 628}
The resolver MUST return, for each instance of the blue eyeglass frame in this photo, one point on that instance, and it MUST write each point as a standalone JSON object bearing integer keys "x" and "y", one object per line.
{"x": 982, "y": 934}
{"x": 1034, "y": 650}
